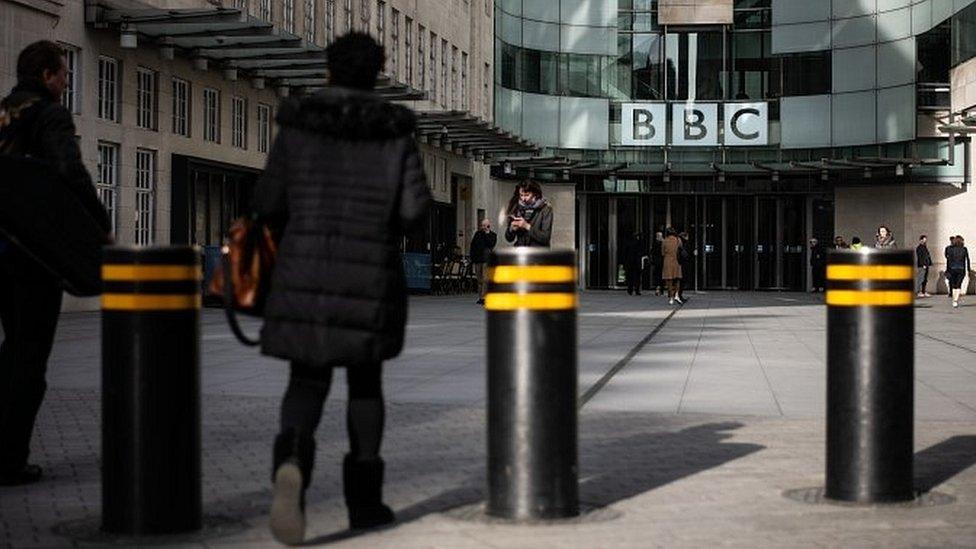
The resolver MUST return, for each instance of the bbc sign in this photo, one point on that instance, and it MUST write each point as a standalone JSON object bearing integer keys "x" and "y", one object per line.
{"x": 694, "y": 124}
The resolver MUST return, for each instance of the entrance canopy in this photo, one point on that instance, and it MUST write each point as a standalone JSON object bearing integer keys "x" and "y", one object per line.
{"x": 467, "y": 135}
{"x": 229, "y": 39}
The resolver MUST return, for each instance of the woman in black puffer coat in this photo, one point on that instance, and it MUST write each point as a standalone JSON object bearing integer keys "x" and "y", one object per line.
{"x": 345, "y": 181}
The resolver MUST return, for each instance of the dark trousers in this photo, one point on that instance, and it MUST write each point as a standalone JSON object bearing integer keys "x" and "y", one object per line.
{"x": 633, "y": 278}
{"x": 30, "y": 301}
{"x": 308, "y": 387}
{"x": 819, "y": 272}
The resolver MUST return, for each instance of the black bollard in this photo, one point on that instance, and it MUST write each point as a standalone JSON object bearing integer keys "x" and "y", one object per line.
{"x": 151, "y": 390}
{"x": 532, "y": 450}
{"x": 870, "y": 375}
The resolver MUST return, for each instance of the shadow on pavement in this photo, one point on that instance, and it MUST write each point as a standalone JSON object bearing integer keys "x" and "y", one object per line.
{"x": 939, "y": 463}
{"x": 614, "y": 470}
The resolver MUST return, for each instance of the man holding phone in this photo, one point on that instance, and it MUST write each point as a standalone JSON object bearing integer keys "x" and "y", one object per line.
{"x": 529, "y": 217}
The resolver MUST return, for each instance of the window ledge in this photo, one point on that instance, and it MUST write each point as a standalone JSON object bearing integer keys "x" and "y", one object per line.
{"x": 50, "y": 7}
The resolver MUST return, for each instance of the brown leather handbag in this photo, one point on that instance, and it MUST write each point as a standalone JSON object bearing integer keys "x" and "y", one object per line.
{"x": 243, "y": 277}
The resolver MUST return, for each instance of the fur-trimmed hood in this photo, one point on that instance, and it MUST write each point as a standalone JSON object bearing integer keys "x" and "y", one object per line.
{"x": 348, "y": 114}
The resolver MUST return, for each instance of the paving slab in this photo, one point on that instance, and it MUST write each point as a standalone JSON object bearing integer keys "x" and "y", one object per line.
{"x": 692, "y": 443}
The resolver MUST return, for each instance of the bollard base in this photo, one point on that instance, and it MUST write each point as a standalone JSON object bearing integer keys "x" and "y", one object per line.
{"x": 818, "y": 496}
{"x": 588, "y": 513}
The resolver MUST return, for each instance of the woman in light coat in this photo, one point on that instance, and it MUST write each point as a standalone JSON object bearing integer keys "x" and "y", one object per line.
{"x": 671, "y": 269}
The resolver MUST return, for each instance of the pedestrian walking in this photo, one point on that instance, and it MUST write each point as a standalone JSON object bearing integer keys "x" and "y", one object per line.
{"x": 840, "y": 243}
{"x": 657, "y": 262}
{"x": 344, "y": 181}
{"x": 856, "y": 243}
{"x": 957, "y": 267}
{"x": 884, "y": 238}
{"x": 33, "y": 123}
{"x": 923, "y": 260}
{"x": 529, "y": 217}
{"x": 685, "y": 257}
{"x": 671, "y": 269}
{"x": 482, "y": 244}
{"x": 818, "y": 265}
{"x": 631, "y": 257}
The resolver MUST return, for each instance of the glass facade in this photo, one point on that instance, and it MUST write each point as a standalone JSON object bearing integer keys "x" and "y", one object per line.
{"x": 654, "y": 120}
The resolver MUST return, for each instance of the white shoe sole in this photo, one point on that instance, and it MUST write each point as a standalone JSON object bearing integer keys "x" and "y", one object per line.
{"x": 287, "y": 518}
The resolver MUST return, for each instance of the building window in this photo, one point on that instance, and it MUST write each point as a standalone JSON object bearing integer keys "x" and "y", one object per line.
{"x": 454, "y": 77}
{"x": 807, "y": 73}
{"x": 211, "y": 115}
{"x": 408, "y": 48}
{"x": 181, "y": 107}
{"x": 421, "y": 59}
{"x": 486, "y": 91}
{"x": 364, "y": 16}
{"x": 238, "y": 107}
{"x": 433, "y": 66}
{"x": 107, "y": 183}
{"x": 108, "y": 88}
{"x": 309, "y": 21}
{"x": 146, "y": 98}
{"x": 264, "y": 127}
{"x": 648, "y": 66}
{"x": 381, "y": 22}
{"x": 464, "y": 81}
{"x": 145, "y": 195}
{"x": 347, "y": 15}
{"x": 264, "y": 10}
{"x": 329, "y": 20}
{"x": 71, "y": 98}
{"x": 395, "y": 45}
{"x": 288, "y": 15}
{"x": 444, "y": 82}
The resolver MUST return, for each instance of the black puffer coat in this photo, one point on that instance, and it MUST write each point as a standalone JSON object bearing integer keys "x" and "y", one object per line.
{"x": 345, "y": 179}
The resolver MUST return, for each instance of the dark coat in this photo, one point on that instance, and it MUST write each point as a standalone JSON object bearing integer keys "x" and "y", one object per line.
{"x": 41, "y": 128}
{"x": 482, "y": 244}
{"x": 631, "y": 254}
{"x": 345, "y": 180}
{"x": 957, "y": 258}
{"x": 922, "y": 256}
{"x": 540, "y": 232}
{"x": 818, "y": 256}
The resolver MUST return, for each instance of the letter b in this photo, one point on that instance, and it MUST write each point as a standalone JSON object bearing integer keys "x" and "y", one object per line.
{"x": 695, "y": 130}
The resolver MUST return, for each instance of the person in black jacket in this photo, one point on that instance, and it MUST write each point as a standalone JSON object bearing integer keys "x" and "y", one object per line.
{"x": 632, "y": 253}
{"x": 344, "y": 180}
{"x": 957, "y": 267}
{"x": 33, "y": 123}
{"x": 529, "y": 217}
{"x": 481, "y": 245}
{"x": 818, "y": 265}
{"x": 923, "y": 259}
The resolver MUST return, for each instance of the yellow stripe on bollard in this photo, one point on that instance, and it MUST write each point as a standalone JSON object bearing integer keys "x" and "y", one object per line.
{"x": 150, "y": 272}
{"x": 870, "y": 272}
{"x": 878, "y": 298}
{"x": 532, "y": 302}
{"x": 508, "y": 274}
{"x": 150, "y": 302}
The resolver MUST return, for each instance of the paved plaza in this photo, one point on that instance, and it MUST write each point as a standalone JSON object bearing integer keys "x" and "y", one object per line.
{"x": 713, "y": 413}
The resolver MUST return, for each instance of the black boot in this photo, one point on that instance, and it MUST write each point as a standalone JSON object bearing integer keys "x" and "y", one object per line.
{"x": 294, "y": 456}
{"x": 363, "y": 487}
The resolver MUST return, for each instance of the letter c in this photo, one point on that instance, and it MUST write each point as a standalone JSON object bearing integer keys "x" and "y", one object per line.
{"x": 734, "y": 124}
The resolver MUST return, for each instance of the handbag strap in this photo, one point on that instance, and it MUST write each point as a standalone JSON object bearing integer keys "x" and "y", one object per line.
{"x": 229, "y": 305}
